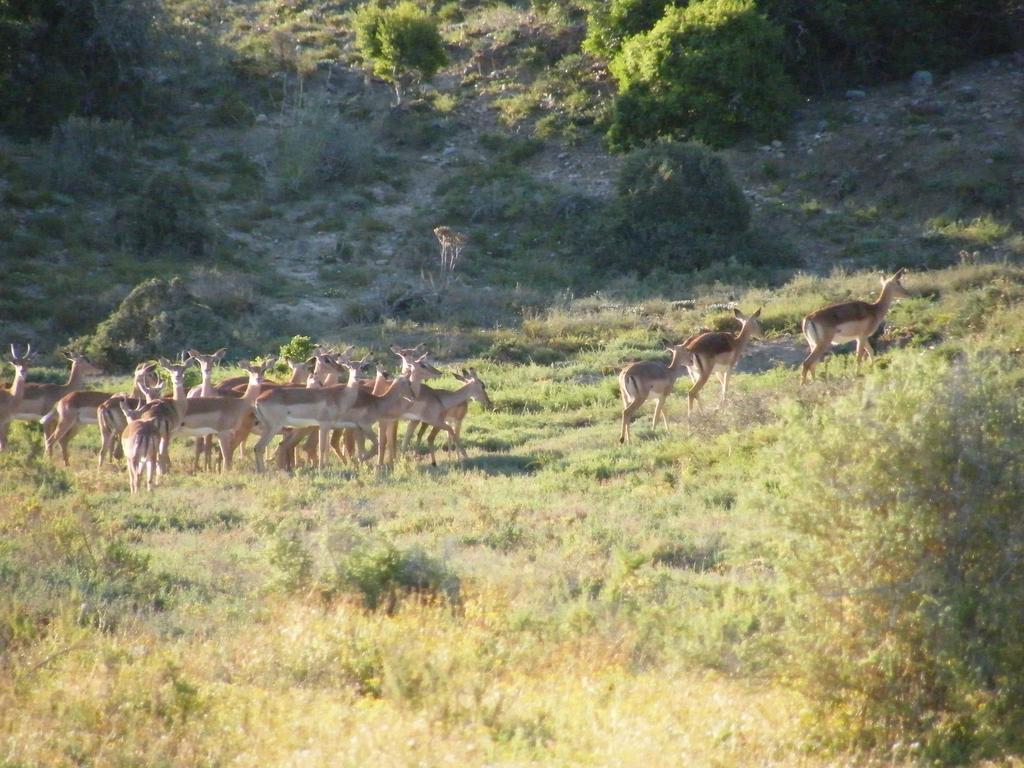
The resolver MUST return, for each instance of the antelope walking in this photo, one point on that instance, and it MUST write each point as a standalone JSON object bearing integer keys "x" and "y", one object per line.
{"x": 849, "y": 321}
{"x": 638, "y": 381}
{"x": 718, "y": 352}
{"x": 431, "y": 405}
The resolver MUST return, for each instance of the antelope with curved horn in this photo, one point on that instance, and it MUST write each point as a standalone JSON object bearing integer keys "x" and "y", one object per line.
{"x": 718, "y": 352}
{"x": 229, "y": 419}
{"x": 11, "y": 399}
{"x": 849, "y": 321}
{"x": 638, "y": 381}
{"x": 39, "y": 399}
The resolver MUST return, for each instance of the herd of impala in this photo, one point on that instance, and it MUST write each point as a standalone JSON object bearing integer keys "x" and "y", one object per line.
{"x": 315, "y": 410}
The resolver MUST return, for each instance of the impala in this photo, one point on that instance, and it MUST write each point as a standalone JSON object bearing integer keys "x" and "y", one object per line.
{"x": 849, "y": 321}
{"x": 226, "y": 418}
{"x": 431, "y": 405}
{"x": 414, "y": 362}
{"x": 140, "y": 443}
{"x": 39, "y": 400}
{"x": 293, "y": 407}
{"x": 718, "y": 352}
{"x": 10, "y": 400}
{"x": 204, "y": 445}
{"x": 638, "y": 381}
{"x": 146, "y": 386}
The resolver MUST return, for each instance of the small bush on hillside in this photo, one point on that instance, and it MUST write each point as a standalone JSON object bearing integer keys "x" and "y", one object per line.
{"x": 166, "y": 217}
{"x": 710, "y": 71}
{"x": 88, "y": 154}
{"x": 318, "y": 147}
{"x": 674, "y": 203}
{"x": 402, "y": 44}
{"x": 159, "y": 317}
{"x": 906, "y": 561}
{"x": 610, "y": 24}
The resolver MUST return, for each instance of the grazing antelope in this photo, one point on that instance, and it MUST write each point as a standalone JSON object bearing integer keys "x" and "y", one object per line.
{"x": 140, "y": 443}
{"x": 849, "y": 321}
{"x": 39, "y": 400}
{"x": 718, "y": 352}
{"x": 146, "y": 387}
{"x": 638, "y": 381}
{"x": 431, "y": 405}
{"x": 10, "y": 400}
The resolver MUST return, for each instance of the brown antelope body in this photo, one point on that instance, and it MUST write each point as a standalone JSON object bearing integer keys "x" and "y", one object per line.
{"x": 146, "y": 386}
{"x": 11, "y": 399}
{"x": 718, "y": 352}
{"x": 39, "y": 399}
{"x": 140, "y": 442}
{"x": 431, "y": 405}
{"x": 638, "y": 381}
{"x": 849, "y": 321}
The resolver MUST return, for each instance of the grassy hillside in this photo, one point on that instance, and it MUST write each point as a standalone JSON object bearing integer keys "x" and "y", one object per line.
{"x": 557, "y": 598}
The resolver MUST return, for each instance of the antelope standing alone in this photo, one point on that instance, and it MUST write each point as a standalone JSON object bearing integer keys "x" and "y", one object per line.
{"x": 849, "y": 321}
{"x": 638, "y": 381}
{"x": 718, "y": 352}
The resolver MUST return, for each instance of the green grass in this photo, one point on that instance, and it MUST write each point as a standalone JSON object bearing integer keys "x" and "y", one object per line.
{"x": 552, "y": 599}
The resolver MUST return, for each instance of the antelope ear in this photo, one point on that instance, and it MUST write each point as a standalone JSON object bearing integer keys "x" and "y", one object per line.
{"x": 422, "y": 357}
{"x": 737, "y": 312}
{"x": 219, "y": 354}
{"x": 164, "y": 362}
{"x": 758, "y": 313}
{"x": 311, "y": 361}
{"x": 244, "y": 363}
{"x": 193, "y": 353}
{"x": 899, "y": 273}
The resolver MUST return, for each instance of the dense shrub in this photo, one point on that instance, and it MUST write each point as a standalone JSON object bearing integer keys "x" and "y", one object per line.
{"x": 673, "y": 202}
{"x": 710, "y": 71}
{"x": 167, "y": 216}
{"x": 610, "y": 24}
{"x": 63, "y": 57}
{"x": 159, "y": 317}
{"x": 401, "y": 43}
{"x": 905, "y": 565}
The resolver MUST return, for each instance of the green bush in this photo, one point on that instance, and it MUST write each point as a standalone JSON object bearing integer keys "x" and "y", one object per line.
{"x": 674, "y": 203}
{"x": 402, "y": 43}
{"x": 610, "y": 24}
{"x": 317, "y": 147}
{"x": 159, "y": 317}
{"x": 380, "y": 572}
{"x": 907, "y": 615}
{"x": 167, "y": 217}
{"x": 710, "y": 71}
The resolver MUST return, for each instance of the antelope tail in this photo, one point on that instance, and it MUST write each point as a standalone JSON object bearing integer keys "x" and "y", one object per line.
{"x": 628, "y": 389}
{"x": 811, "y": 331}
